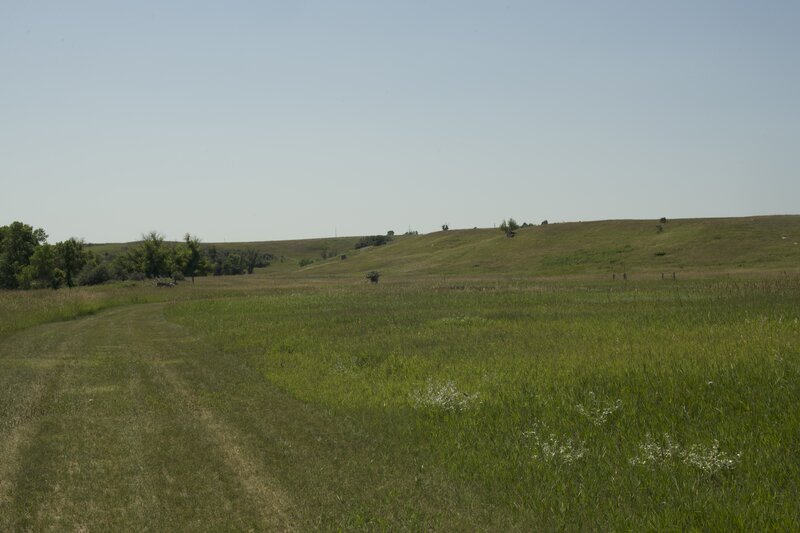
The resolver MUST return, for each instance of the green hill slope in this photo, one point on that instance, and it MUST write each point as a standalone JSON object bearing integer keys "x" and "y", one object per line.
{"x": 603, "y": 247}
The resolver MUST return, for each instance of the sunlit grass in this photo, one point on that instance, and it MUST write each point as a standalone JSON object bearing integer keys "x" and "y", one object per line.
{"x": 548, "y": 398}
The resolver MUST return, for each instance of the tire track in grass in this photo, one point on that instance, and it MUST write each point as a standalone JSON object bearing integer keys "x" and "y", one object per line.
{"x": 101, "y": 434}
{"x": 28, "y": 379}
{"x": 271, "y": 502}
{"x": 22, "y": 429}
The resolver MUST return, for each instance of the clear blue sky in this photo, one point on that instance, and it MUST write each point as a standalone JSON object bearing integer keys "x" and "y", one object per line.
{"x": 274, "y": 120}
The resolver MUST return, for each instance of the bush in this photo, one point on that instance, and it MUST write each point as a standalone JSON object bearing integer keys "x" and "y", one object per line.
{"x": 305, "y": 262}
{"x": 178, "y": 276}
{"x": 544, "y": 222}
{"x": 373, "y": 276}
{"x": 373, "y": 240}
{"x": 509, "y": 227}
{"x": 94, "y": 275}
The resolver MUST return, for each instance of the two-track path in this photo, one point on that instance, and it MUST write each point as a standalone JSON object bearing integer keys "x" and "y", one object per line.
{"x": 103, "y": 427}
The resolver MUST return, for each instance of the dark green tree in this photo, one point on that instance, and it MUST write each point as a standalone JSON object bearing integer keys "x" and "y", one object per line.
{"x": 151, "y": 257}
{"x": 71, "y": 257}
{"x": 18, "y": 242}
{"x": 194, "y": 262}
{"x": 41, "y": 272}
{"x": 251, "y": 257}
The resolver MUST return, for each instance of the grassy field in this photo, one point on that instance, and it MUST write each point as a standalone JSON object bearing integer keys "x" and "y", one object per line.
{"x": 312, "y": 399}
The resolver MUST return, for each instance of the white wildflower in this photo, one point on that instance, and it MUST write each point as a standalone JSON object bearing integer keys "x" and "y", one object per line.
{"x": 553, "y": 449}
{"x": 444, "y": 396}
{"x": 708, "y": 459}
{"x": 654, "y": 453}
{"x": 597, "y": 411}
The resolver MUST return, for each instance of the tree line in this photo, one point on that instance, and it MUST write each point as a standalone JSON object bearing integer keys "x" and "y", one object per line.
{"x": 27, "y": 261}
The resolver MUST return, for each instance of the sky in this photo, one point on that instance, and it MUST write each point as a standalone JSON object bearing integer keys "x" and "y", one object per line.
{"x": 259, "y": 120}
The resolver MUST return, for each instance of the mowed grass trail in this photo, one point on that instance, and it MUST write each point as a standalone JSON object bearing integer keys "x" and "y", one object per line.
{"x": 122, "y": 421}
{"x": 101, "y": 432}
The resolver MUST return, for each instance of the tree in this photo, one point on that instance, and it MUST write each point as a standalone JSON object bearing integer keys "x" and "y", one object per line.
{"x": 509, "y": 227}
{"x": 41, "y": 272}
{"x": 151, "y": 257}
{"x": 194, "y": 263}
{"x": 251, "y": 257}
{"x": 18, "y": 242}
{"x": 71, "y": 258}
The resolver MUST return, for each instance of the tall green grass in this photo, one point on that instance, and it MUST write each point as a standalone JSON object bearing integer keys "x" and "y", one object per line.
{"x": 652, "y": 405}
{"x": 22, "y": 309}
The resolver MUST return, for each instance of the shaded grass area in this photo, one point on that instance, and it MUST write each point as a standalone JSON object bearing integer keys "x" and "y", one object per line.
{"x": 646, "y": 405}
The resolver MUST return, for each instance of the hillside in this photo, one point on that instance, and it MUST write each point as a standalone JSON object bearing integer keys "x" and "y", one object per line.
{"x": 574, "y": 248}
{"x": 603, "y": 247}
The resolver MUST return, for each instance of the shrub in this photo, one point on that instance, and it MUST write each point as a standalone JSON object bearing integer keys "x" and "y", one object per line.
{"x": 305, "y": 262}
{"x": 94, "y": 275}
{"x": 373, "y": 276}
{"x": 373, "y": 240}
{"x": 509, "y": 227}
{"x": 544, "y": 222}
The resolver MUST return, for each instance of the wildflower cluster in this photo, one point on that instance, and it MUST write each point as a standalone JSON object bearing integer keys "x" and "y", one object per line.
{"x": 463, "y": 321}
{"x": 552, "y": 449}
{"x": 444, "y": 396}
{"x": 596, "y": 411}
{"x": 709, "y": 459}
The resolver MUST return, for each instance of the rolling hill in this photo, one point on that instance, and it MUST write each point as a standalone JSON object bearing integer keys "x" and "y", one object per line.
{"x": 580, "y": 248}
{"x": 599, "y": 248}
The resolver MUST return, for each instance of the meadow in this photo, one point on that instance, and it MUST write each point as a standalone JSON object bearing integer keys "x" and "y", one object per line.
{"x": 311, "y": 399}
{"x": 545, "y": 405}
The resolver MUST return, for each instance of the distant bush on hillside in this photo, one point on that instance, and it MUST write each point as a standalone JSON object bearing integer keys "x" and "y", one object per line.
{"x": 373, "y": 240}
{"x": 544, "y": 222}
{"x": 509, "y": 227}
{"x": 305, "y": 262}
